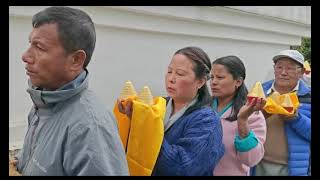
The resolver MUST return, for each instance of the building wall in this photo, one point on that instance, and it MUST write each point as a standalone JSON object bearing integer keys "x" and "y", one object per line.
{"x": 137, "y": 43}
{"x": 298, "y": 14}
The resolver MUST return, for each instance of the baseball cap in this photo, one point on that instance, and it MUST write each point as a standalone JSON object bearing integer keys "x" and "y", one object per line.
{"x": 292, "y": 54}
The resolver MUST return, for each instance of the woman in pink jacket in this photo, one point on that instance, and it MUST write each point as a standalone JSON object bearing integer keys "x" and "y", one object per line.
{"x": 244, "y": 126}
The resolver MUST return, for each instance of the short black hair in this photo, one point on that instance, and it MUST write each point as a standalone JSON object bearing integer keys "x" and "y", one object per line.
{"x": 76, "y": 30}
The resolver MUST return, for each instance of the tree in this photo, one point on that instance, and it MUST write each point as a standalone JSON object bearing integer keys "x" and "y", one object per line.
{"x": 305, "y": 49}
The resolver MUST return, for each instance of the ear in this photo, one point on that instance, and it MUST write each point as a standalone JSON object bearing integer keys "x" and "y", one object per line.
{"x": 239, "y": 82}
{"x": 301, "y": 72}
{"x": 201, "y": 82}
{"x": 77, "y": 60}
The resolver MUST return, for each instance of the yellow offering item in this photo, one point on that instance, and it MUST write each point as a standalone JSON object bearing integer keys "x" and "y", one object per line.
{"x": 142, "y": 135}
{"x": 145, "y": 96}
{"x": 256, "y": 92}
{"x": 287, "y": 103}
{"x": 127, "y": 91}
{"x": 146, "y": 135}
{"x": 307, "y": 68}
{"x": 275, "y": 96}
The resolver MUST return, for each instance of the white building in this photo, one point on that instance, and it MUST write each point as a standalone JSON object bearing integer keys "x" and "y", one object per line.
{"x": 137, "y": 43}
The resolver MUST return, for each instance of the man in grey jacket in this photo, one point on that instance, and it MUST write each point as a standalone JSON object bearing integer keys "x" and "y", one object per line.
{"x": 69, "y": 131}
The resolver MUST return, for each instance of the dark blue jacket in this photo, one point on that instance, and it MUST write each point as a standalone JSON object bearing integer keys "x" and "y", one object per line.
{"x": 192, "y": 146}
{"x": 298, "y": 132}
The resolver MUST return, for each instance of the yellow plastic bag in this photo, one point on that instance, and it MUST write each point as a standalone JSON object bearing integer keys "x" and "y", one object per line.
{"x": 142, "y": 135}
{"x": 123, "y": 121}
{"x": 275, "y": 101}
{"x": 128, "y": 93}
{"x": 145, "y": 136}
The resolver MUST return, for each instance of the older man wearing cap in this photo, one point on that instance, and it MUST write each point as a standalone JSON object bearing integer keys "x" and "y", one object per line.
{"x": 287, "y": 146}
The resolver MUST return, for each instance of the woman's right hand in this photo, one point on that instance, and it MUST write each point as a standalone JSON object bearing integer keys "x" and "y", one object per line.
{"x": 125, "y": 109}
{"x": 246, "y": 110}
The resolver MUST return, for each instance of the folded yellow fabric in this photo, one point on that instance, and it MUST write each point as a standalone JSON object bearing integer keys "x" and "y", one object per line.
{"x": 123, "y": 121}
{"x": 142, "y": 137}
{"x": 275, "y": 101}
{"x": 128, "y": 93}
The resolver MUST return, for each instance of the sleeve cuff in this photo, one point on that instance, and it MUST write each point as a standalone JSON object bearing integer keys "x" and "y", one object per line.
{"x": 247, "y": 143}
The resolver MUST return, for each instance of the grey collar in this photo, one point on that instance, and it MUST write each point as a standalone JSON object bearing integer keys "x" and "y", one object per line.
{"x": 169, "y": 121}
{"x": 46, "y": 99}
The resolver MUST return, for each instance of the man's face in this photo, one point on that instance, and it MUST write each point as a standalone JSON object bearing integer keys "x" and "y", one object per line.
{"x": 287, "y": 73}
{"x": 46, "y": 59}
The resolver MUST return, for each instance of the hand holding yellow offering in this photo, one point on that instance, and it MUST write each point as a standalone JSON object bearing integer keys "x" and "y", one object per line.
{"x": 128, "y": 93}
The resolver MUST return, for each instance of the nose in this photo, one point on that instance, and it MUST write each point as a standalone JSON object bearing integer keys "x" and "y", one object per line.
{"x": 213, "y": 81}
{"x": 26, "y": 57}
{"x": 284, "y": 72}
{"x": 172, "y": 78}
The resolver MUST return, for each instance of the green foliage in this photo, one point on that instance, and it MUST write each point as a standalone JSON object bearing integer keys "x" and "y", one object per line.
{"x": 305, "y": 49}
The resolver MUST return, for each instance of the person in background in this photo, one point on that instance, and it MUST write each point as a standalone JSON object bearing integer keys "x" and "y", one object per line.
{"x": 306, "y": 78}
{"x": 287, "y": 146}
{"x": 244, "y": 126}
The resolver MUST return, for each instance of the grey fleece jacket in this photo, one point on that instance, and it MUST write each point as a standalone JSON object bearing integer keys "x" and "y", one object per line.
{"x": 70, "y": 133}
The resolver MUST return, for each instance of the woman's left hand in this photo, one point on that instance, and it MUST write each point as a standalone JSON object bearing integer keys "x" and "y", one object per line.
{"x": 246, "y": 110}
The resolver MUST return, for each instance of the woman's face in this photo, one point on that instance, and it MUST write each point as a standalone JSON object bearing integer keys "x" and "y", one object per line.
{"x": 222, "y": 83}
{"x": 181, "y": 82}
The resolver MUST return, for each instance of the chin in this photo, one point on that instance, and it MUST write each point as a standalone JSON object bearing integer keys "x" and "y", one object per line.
{"x": 215, "y": 94}
{"x": 35, "y": 83}
{"x": 171, "y": 95}
{"x": 283, "y": 83}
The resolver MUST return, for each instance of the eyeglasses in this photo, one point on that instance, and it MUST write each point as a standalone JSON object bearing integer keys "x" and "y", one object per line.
{"x": 289, "y": 69}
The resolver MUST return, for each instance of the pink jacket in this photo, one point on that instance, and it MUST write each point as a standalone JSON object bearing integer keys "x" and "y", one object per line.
{"x": 235, "y": 163}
